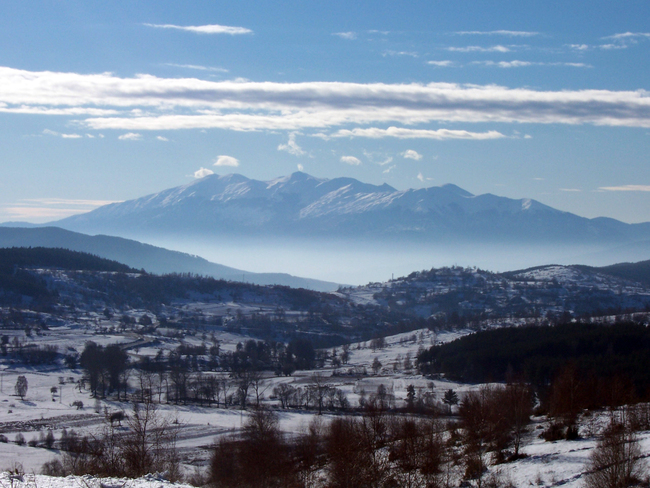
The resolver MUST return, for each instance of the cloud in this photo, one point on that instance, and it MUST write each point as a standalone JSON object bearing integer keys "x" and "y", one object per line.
{"x": 522, "y": 64}
{"x": 402, "y": 133}
{"x": 389, "y": 169}
{"x": 350, "y": 160}
{"x": 629, "y": 35}
{"x": 579, "y": 47}
{"x": 572, "y": 190}
{"x": 292, "y": 147}
{"x": 441, "y": 64}
{"x": 46, "y": 209}
{"x": 643, "y": 188}
{"x": 498, "y": 33}
{"x": 197, "y": 67}
{"x": 480, "y": 49}
{"x": 421, "y": 177}
{"x": 203, "y": 172}
{"x": 346, "y": 35}
{"x": 190, "y": 103}
{"x": 609, "y": 47}
{"x": 161, "y": 138}
{"x": 226, "y": 161}
{"x": 64, "y": 136}
{"x": 300, "y": 167}
{"x": 205, "y": 29}
{"x": 412, "y": 54}
{"x": 411, "y": 154}
{"x": 131, "y": 136}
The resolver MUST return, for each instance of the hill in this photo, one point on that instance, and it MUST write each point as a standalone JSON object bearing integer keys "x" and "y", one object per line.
{"x": 144, "y": 256}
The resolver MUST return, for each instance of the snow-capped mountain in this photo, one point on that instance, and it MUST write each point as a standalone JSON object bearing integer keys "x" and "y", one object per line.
{"x": 300, "y": 205}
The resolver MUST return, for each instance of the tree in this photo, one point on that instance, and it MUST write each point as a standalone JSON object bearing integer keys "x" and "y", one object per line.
{"x": 376, "y": 366}
{"x": 450, "y": 398}
{"x": 21, "y": 387}
{"x": 616, "y": 460}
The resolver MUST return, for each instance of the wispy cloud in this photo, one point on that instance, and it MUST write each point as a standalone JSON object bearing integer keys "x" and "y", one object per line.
{"x": 404, "y": 133}
{"x": 350, "y": 36}
{"x": 629, "y": 35}
{"x": 509, "y": 33}
{"x": 411, "y": 54}
{"x": 190, "y": 103}
{"x": 203, "y": 172}
{"x": 351, "y": 160}
{"x": 131, "y": 136}
{"x": 161, "y": 138}
{"x": 523, "y": 64}
{"x": 571, "y": 190}
{"x": 224, "y": 160}
{"x": 292, "y": 146}
{"x": 412, "y": 154}
{"x": 197, "y": 67}
{"x": 63, "y": 136}
{"x": 479, "y": 49}
{"x": 205, "y": 29}
{"x": 45, "y": 209}
{"x": 441, "y": 64}
{"x": 643, "y": 188}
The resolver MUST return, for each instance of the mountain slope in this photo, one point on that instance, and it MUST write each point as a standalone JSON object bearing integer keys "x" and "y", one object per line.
{"x": 144, "y": 256}
{"x": 302, "y": 206}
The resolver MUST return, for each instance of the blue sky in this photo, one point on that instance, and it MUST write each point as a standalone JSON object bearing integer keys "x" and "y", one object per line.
{"x": 108, "y": 101}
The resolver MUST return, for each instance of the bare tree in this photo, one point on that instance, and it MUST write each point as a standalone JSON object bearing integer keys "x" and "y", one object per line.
{"x": 616, "y": 461}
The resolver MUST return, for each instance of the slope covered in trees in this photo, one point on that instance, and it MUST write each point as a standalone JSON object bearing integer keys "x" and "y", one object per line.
{"x": 538, "y": 354}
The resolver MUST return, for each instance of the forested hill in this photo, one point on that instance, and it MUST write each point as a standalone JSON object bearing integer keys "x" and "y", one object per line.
{"x": 630, "y": 271}
{"x": 45, "y": 257}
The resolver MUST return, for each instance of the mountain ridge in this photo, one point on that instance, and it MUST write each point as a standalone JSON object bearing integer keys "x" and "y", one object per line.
{"x": 300, "y": 205}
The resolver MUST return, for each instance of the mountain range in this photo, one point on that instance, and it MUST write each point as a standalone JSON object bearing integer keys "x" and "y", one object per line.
{"x": 302, "y": 206}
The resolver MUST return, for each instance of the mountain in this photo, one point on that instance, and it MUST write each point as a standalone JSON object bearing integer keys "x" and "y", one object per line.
{"x": 301, "y": 206}
{"x": 144, "y": 256}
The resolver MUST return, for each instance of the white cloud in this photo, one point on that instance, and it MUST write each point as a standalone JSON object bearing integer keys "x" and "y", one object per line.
{"x": 205, "y": 29}
{"x": 402, "y": 133}
{"x": 609, "y": 47}
{"x": 203, "y": 172}
{"x": 46, "y": 209}
{"x": 197, "y": 67}
{"x": 643, "y": 188}
{"x": 579, "y": 47}
{"x": 480, "y": 49}
{"x": 629, "y": 35}
{"x": 521, "y": 64}
{"x": 421, "y": 177}
{"x": 161, "y": 138}
{"x": 441, "y": 64}
{"x": 226, "y": 161}
{"x": 64, "y": 136}
{"x": 350, "y": 160}
{"x": 300, "y": 167}
{"x": 412, "y": 54}
{"x": 189, "y": 103}
{"x": 131, "y": 136}
{"x": 346, "y": 35}
{"x": 389, "y": 169}
{"x": 412, "y": 154}
{"x": 499, "y": 33}
{"x": 571, "y": 190}
{"x": 292, "y": 147}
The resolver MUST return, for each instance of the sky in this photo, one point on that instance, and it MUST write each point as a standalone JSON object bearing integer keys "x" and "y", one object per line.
{"x": 109, "y": 101}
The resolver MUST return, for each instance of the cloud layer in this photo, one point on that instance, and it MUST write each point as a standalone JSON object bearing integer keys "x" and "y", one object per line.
{"x": 148, "y": 102}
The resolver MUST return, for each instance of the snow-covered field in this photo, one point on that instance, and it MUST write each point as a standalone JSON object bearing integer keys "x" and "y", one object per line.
{"x": 561, "y": 463}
